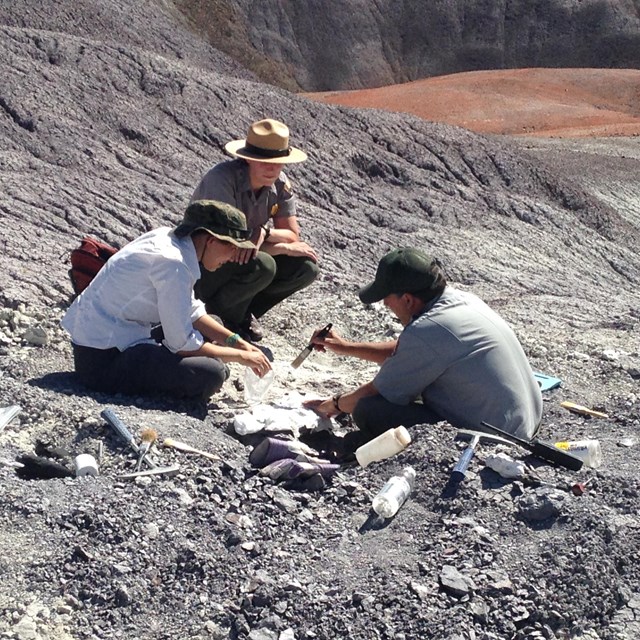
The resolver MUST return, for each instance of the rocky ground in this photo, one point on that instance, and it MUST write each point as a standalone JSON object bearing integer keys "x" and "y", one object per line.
{"x": 109, "y": 139}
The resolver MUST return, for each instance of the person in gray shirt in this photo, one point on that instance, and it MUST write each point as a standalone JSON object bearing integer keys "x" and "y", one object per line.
{"x": 256, "y": 280}
{"x": 456, "y": 359}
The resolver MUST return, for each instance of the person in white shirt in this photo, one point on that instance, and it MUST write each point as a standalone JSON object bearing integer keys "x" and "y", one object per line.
{"x": 149, "y": 283}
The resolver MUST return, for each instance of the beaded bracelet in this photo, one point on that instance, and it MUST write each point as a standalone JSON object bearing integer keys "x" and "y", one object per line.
{"x": 336, "y": 402}
{"x": 232, "y": 339}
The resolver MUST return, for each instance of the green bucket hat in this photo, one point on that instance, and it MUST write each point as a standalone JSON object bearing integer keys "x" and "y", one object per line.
{"x": 402, "y": 271}
{"x": 220, "y": 219}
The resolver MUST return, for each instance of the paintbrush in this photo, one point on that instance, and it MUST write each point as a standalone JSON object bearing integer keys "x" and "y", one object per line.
{"x": 183, "y": 446}
{"x": 585, "y": 411}
{"x": 148, "y": 437}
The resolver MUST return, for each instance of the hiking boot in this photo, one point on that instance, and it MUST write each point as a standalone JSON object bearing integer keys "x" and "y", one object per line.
{"x": 252, "y": 329}
{"x": 248, "y": 329}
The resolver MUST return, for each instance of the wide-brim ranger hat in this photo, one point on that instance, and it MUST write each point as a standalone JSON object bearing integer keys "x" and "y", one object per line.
{"x": 402, "y": 271}
{"x": 266, "y": 141}
{"x": 221, "y": 220}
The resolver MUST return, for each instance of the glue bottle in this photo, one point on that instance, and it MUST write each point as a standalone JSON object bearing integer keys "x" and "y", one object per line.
{"x": 589, "y": 451}
{"x": 387, "y": 444}
{"x": 394, "y": 493}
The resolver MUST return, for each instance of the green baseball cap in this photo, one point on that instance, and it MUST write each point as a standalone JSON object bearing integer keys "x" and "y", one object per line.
{"x": 220, "y": 219}
{"x": 401, "y": 271}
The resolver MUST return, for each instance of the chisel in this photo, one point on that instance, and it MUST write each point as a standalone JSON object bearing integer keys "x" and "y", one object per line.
{"x": 543, "y": 450}
{"x": 154, "y": 471}
{"x": 309, "y": 348}
{"x": 7, "y": 414}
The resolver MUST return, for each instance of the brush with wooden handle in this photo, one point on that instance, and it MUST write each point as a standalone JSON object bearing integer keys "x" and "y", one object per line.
{"x": 585, "y": 411}
{"x": 148, "y": 438}
{"x": 183, "y": 446}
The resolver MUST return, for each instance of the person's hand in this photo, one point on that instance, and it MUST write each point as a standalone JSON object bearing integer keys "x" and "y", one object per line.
{"x": 299, "y": 249}
{"x": 257, "y": 361}
{"x": 242, "y": 256}
{"x": 247, "y": 346}
{"x": 324, "y": 408}
{"x": 257, "y": 237}
{"x": 332, "y": 342}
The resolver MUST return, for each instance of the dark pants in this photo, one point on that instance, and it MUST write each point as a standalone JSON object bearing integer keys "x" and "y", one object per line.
{"x": 233, "y": 291}
{"x": 148, "y": 369}
{"x": 374, "y": 415}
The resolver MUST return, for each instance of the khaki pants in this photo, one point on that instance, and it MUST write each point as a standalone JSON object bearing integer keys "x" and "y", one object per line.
{"x": 233, "y": 291}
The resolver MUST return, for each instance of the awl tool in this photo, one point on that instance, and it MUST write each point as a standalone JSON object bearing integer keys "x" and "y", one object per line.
{"x": 309, "y": 348}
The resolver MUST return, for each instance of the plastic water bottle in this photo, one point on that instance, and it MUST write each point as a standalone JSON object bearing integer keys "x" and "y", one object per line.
{"x": 394, "y": 493}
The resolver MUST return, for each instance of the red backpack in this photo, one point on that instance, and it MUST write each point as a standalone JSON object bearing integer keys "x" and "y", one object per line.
{"x": 86, "y": 260}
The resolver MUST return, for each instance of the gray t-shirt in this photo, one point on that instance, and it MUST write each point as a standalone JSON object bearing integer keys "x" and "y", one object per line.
{"x": 468, "y": 366}
{"x": 229, "y": 182}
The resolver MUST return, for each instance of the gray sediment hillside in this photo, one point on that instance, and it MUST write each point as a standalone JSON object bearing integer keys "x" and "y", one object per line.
{"x": 322, "y": 45}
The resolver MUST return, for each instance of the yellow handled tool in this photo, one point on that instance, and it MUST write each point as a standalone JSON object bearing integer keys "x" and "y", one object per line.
{"x": 578, "y": 408}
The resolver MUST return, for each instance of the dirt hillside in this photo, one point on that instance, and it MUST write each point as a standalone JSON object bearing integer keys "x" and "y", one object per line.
{"x": 548, "y": 102}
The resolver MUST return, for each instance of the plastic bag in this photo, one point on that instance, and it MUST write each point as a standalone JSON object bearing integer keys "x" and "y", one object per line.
{"x": 255, "y": 387}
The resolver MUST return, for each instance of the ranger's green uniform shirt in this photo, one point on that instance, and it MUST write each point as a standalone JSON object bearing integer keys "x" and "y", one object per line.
{"x": 229, "y": 182}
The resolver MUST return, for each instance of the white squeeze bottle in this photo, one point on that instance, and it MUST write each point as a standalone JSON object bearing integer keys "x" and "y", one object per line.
{"x": 387, "y": 444}
{"x": 394, "y": 493}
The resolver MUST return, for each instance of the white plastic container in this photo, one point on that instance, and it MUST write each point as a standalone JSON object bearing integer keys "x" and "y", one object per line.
{"x": 588, "y": 451}
{"x": 387, "y": 444}
{"x": 394, "y": 493}
{"x": 86, "y": 465}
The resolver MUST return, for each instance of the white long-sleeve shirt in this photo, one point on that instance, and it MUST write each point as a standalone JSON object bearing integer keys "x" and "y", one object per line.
{"x": 148, "y": 282}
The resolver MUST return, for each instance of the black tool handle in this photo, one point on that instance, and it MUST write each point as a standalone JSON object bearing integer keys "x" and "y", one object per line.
{"x": 323, "y": 332}
{"x": 539, "y": 449}
{"x": 555, "y": 456}
{"x": 121, "y": 429}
